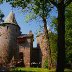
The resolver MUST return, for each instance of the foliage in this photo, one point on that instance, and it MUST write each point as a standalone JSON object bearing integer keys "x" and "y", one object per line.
{"x": 1, "y": 1}
{"x": 53, "y": 46}
{"x": 54, "y": 24}
{"x": 1, "y": 14}
{"x": 61, "y": 5}
{"x": 46, "y": 63}
{"x": 30, "y": 16}
{"x": 40, "y": 7}
{"x": 68, "y": 32}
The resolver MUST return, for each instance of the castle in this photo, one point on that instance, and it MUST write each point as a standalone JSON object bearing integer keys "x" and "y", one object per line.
{"x": 19, "y": 46}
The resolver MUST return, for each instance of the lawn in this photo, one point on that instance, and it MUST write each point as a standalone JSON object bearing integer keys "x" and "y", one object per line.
{"x": 35, "y": 70}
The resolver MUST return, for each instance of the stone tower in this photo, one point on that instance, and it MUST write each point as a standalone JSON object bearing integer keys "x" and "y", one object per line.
{"x": 43, "y": 48}
{"x": 9, "y": 31}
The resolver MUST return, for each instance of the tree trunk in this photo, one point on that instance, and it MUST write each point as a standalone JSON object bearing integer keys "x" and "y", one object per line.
{"x": 61, "y": 37}
{"x": 48, "y": 44}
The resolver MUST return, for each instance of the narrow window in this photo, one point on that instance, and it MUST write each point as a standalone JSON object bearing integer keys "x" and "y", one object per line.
{"x": 7, "y": 27}
{"x": 0, "y": 34}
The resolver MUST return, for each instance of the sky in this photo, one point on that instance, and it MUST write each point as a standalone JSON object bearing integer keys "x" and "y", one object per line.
{"x": 33, "y": 25}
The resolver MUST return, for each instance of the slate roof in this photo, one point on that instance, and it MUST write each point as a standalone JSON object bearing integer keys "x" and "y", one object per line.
{"x": 11, "y": 18}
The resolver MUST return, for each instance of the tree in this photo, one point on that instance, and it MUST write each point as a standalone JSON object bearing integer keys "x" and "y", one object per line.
{"x": 61, "y": 4}
{"x": 1, "y": 16}
{"x": 53, "y": 46}
{"x": 68, "y": 32}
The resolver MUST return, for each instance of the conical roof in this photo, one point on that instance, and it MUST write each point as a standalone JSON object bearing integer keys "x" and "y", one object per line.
{"x": 10, "y": 18}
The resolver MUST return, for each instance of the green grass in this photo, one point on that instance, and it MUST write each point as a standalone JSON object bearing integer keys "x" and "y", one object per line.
{"x": 36, "y": 70}
{"x": 32, "y": 69}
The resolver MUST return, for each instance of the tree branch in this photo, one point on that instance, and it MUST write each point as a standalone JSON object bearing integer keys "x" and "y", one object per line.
{"x": 68, "y": 2}
{"x": 54, "y": 3}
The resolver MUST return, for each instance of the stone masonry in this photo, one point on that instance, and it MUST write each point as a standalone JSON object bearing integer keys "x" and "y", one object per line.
{"x": 25, "y": 43}
{"x": 19, "y": 46}
{"x": 43, "y": 47}
{"x": 9, "y": 31}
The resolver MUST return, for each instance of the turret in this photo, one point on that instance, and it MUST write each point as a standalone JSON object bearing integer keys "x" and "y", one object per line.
{"x": 11, "y": 18}
{"x": 9, "y": 31}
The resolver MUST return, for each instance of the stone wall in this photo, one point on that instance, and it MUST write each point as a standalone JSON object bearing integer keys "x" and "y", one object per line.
{"x": 8, "y": 43}
{"x": 25, "y": 46}
{"x": 26, "y": 54}
{"x": 12, "y": 43}
{"x": 43, "y": 47}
